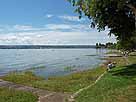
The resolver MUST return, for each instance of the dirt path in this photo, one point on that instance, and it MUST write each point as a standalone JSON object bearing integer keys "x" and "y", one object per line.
{"x": 44, "y": 95}
{"x": 72, "y": 97}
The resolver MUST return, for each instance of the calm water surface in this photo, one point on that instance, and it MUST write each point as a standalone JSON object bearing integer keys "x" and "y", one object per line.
{"x": 49, "y": 62}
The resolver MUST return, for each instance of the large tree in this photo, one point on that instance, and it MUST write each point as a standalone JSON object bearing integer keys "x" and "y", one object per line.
{"x": 119, "y": 16}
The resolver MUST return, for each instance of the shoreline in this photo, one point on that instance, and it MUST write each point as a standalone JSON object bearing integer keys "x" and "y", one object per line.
{"x": 73, "y": 71}
{"x": 78, "y": 80}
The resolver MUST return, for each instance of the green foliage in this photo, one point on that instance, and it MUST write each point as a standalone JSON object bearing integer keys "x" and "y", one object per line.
{"x": 68, "y": 68}
{"x": 10, "y": 95}
{"x": 38, "y": 67}
{"x": 99, "y": 45}
{"x": 111, "y": 45}
{"x": 116, "y": 15}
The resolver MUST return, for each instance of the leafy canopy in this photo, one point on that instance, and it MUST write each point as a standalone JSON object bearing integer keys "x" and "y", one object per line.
{"x": 119, "y": 16}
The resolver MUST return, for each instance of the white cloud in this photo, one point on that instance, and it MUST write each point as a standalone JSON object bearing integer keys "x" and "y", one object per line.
{"x": 70, "y": 27}
{"x": 66, "y": 17}
{"x": 19, "y": 28}
{"x": 47, "y": 27}
{"x": 54, "y": 37}
{"x": 71, "y": 18}
{"x": 22, "y": 27}
{"x": 48, "y": 15}
{"x": 57, "y": 26}
{"x": 53, "y": 34}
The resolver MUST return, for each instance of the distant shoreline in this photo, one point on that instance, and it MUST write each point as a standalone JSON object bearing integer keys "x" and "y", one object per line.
{"x": 46, "y": 46}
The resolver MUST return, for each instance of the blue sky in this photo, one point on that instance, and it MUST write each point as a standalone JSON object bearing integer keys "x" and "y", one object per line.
{"x": 45, "y": 22}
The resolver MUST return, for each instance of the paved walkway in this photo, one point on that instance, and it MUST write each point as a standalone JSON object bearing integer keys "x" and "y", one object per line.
{"x": 44, "y": 96}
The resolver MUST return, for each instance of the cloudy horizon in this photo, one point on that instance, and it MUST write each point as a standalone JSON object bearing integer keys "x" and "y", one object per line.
{"x": 46, "y": 23}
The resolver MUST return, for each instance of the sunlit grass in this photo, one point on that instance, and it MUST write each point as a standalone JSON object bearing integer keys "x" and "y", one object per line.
{"x": 118, "y": 85}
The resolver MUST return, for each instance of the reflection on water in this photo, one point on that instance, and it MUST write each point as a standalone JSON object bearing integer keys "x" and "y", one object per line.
{"x": 48, "y": 62}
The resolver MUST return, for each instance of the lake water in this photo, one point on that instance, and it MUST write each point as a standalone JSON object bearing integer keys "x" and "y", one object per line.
{"x": 49, "y": 62}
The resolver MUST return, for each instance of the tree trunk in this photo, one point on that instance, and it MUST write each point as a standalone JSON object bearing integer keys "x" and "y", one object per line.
{"x": 133, "y": 8}
{"x": 135, "y": 18}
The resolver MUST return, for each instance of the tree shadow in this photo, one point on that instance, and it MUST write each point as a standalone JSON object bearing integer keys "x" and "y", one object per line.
{"x": 128, "y": 71}
{"x": 132, "y": 55}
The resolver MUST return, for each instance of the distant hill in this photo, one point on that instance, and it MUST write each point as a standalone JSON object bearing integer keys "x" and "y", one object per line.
{"x": 44, "y": 46}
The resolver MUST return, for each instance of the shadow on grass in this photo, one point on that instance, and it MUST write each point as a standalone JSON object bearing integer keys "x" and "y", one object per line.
{"x": 128, "y": 71}
{"x": 132, "y": 55}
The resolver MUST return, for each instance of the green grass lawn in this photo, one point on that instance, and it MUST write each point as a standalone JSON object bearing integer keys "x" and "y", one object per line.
{"x": 118, "y": 85}
{"x": 69, "y": 83}
{"x": 11, "y": 95}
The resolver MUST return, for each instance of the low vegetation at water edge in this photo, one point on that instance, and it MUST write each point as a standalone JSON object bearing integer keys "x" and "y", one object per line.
{"x": 10, "y": 95}
{"x": 68, "y": 83}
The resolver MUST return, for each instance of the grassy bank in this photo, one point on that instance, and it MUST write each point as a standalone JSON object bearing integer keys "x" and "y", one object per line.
{"x": 118, "y": 85}
{"x": 10, "y": 95}
{"x": 69, "y": 83}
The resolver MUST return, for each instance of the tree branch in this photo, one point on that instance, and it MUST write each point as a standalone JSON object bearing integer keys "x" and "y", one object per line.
{"x": 133, "y": 8}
